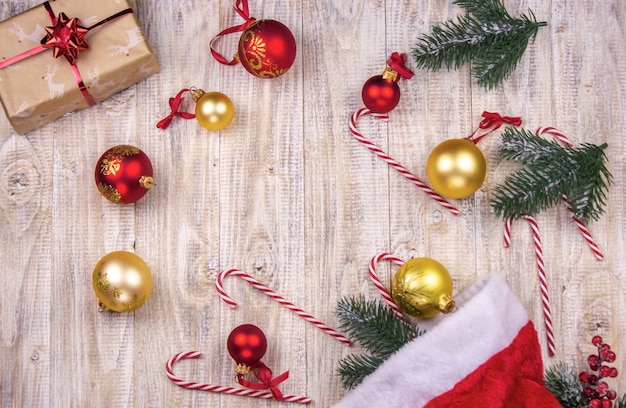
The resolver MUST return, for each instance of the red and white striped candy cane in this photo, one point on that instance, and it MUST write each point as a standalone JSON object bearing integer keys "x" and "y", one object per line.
{"x": 220, "y": 388}
{"x": 379, "y": 285}
{"x": 391, "y": 162}
{"x": 267, "y": 291}
{"x": 579, "y": 223}
{"x": 543, "y": 283}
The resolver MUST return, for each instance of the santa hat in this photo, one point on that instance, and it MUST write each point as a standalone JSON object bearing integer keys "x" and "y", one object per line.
{"x": 484, "y": 354}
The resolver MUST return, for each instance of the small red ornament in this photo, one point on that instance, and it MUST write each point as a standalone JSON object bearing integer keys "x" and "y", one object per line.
{"x": 381, "y": 93}
{"x": 123, "y": 174}
{"x": 267, "y": 48}
{"x": 246, "y": 345}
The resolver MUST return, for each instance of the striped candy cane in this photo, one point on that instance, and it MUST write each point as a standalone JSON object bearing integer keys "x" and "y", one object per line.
{"x": 391, "y": 162}
{"x": 219, "y": 388}
{"x": 267, "y": 291}
{"x": 558, "y": 135}
{"x": 379, "y": 285}
{"x": 543, "y": 283}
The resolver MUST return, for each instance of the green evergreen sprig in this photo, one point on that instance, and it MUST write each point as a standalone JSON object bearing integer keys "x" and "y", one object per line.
{"x": 376, "y": 328}
{"x": 550, "y": 170}
{"x": 561, "y": 380}
{"x": 487, "y": 36}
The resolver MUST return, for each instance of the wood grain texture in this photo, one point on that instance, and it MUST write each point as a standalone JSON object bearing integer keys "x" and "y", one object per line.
{"x": 286, "y": 194}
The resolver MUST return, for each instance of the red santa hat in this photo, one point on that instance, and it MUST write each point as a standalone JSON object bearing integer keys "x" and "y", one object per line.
{"x": 484, "y": 354}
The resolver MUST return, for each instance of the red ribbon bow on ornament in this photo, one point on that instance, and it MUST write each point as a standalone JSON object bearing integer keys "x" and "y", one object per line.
{"x": 174, "y": 106}
{"x": 264, "y": 374}
{"x": 397, "y": 62}
{"x": 241, "y": 7}
{"x": 493, "y": 121}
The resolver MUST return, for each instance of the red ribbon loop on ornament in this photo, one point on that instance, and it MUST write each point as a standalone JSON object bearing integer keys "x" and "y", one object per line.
{"x": 264, "y": 374}
{"x": 66, "y": 37}
{"x": 174, "y": 106}
{"x": 241, "y": 7}
{"x": 493, "y": 121}
{"x": 397, "y": 62}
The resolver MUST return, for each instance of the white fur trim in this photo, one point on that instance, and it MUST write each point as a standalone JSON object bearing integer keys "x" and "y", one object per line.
{"x": 487, "y": 319}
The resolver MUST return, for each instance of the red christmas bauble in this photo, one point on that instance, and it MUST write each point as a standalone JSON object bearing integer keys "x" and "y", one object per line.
{"x": 123, "y": 174}
{"x": 246, "y": 344}
{"x": 267, "y": 48}
{"x": 380, "y": 95}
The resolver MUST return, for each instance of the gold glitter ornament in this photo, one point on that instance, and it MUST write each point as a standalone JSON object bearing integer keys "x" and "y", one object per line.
{"x": 122, "y": 281}
{"x": 422, "y": 288}
{"x": 456, "y": 168}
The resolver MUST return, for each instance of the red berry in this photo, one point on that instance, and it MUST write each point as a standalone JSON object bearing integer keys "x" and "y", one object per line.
{"x": 593, "y": 379}
{"x": 596, "y": 340}
{"x": 614, "y": 372}
{"x": 611, "y": 394}
{"x": 610, "y": 357}
{"x": 583, "y": 376}
{"x": 604, "y": 347}
{"x": 593, "y": 360}
{"x": 604, "y": 371}
{"x": 595, "y": 403}
{"x": 588, "y": 392}
{"x": 602, "y": 388}
{"x": 606, "y": 404}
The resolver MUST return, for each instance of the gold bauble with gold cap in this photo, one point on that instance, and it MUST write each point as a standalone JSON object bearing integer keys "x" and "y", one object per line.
{"x": 214, "y": 110}
{"x": 422, "y": 288}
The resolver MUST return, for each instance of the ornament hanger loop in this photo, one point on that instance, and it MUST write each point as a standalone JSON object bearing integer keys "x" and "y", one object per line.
{"x": 492, "y": 121}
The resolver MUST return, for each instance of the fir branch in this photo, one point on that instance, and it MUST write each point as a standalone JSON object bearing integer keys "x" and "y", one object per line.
{"x": 354, "y": 368}
{"x": 549, "y": 171}
{"x": 561, "y": 380}
{"x": 487, "y": 35}
{"x": 620, "y": 402}
{"x": 374, "y": 326}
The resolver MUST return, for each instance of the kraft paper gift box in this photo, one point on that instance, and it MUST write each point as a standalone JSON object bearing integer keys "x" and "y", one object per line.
{"x": 37, "y": 88}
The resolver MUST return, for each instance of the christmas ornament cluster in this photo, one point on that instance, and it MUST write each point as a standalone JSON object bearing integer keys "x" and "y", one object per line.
{"x": 421, "y": 288}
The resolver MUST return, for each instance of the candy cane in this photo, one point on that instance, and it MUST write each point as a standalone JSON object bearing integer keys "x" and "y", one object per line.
{"x": 543, "y": 283}
{"x": 579, "y": 223}
{"x": 219, "y": 388}
{"x": 391, "y": 162}
{"x": 267, "y": 291}
{"x": 379, "y": 285}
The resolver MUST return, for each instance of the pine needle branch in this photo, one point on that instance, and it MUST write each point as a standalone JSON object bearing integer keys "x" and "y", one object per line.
{"x": 374, "y": 326}
{"x": 561, "y": 380}
{"x": 354, "y": 368}
{"x": 549, "y": 171}
{"x": 487, "y": 36}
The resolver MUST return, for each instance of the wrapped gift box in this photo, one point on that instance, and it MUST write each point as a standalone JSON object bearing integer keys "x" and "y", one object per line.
{"x": 36, "y": 88}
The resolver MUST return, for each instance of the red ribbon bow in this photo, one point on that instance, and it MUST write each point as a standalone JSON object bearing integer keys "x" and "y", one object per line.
{"x": 174, "y": 106}
{"x": 264, "y": 374}
{"x": 66, "y": 38}
{"x": 493, "y": 121}
{"x": 397, "y": 62}
{"x": 241, "y": 7}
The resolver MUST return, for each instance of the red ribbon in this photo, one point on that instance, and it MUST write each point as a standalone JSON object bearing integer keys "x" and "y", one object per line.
{"x": 493, "y": 121}
{"x": 264, "y": 374}
{"x": 66, "y": 37}
{"x": 174, "y": 106}
{"x": 241, "y": 7}
{"x": 397, "y": 62}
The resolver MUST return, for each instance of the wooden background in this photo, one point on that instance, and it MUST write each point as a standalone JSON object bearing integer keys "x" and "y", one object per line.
{"x": 286, "y": 194}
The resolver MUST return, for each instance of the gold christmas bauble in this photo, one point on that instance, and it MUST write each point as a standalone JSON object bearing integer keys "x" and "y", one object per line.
{"x": 214, "y": 110}
{"x": 422, "y": 287}
{"x": 122, "y": 281}
{"x": 456, "y": 168}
